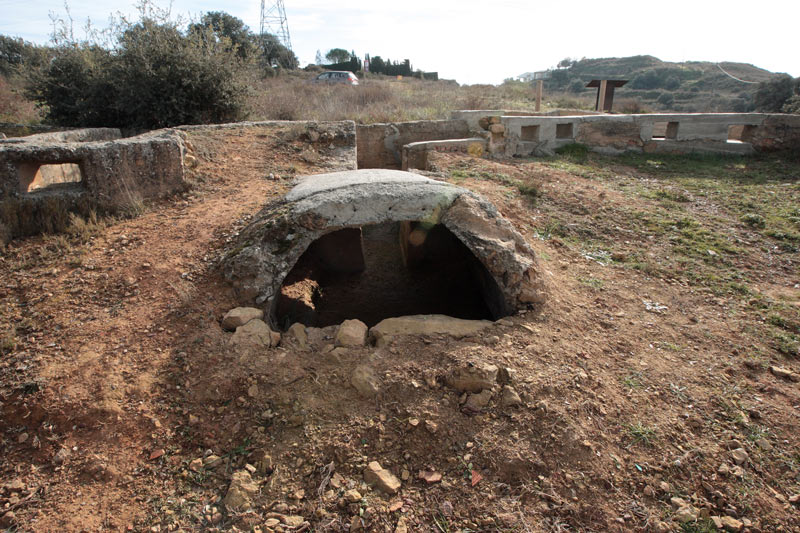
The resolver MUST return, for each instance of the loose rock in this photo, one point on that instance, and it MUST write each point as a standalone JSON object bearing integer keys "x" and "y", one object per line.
{"x": 241, "y": 491}
{"x": 382, "y": 479}
{"x": 473, "y": 378}
{"x": 477, "y": 402}
{"x": 509, "y": 397}
{"x": 784, "y": 373}
{"x": 240, "y": 316}
{"x": 351, "y": 333}
{"x": 739, "y": 456}
{"x": 255, "y": 334}
{"x": 366, "y": 381}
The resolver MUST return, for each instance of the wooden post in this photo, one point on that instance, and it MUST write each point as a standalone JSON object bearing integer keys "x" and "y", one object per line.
{"x": 601, "y": 97}
{"x": 539, "y": 88}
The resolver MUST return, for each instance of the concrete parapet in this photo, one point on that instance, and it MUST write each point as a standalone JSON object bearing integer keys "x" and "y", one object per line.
{"x": 415, "y": 155}
{"x": 381, "y": 145}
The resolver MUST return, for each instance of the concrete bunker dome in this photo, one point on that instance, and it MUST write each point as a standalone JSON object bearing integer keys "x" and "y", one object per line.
{"x": 329, "y": 223}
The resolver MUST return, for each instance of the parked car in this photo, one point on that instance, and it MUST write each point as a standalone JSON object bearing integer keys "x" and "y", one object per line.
{"x": 336, "y": 76}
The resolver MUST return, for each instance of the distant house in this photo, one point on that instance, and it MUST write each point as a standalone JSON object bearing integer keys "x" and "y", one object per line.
{"x": 532, "y": 76}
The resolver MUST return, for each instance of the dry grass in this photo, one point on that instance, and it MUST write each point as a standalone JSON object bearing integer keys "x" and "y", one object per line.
{"x": 381, "y": 99}
{"x": 14, "y": 107}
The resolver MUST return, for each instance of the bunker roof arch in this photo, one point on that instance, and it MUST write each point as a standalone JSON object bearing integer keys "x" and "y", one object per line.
{"x": 272, "y": 243}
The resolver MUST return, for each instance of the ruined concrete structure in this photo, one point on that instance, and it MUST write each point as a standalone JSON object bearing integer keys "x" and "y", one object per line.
{"x": 347, "y": 229}
{"x": 44, "y": 177}
{"x": 734, "y": 133}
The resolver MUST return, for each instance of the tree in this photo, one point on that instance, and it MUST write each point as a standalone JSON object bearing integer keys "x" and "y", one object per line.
{"x": 16, "y": 53}
{"x": 318, "y": 58}
{"x": 772, "y": 95}
{"x": 274, "y": 54}
{"x": 225, "y": 26}
{"x": 157, "y": 76}
{"x": 337, "y": 55}
{"x": 377, "y": 65}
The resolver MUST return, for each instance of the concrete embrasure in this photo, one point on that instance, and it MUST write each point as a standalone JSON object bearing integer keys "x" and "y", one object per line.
{"x": 269, "y": 246}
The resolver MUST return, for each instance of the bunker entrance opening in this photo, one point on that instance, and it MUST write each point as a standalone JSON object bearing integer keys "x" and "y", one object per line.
{"x": 386, "y": 270}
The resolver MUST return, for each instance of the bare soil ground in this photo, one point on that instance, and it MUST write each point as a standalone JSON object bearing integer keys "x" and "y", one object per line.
{"x": 673, "y": 291}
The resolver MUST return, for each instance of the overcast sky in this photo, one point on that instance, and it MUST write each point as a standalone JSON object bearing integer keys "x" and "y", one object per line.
{"x": 486, "y": 41}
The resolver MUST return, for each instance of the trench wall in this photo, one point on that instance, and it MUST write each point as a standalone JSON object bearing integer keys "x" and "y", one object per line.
{"x": 381, "y": 145}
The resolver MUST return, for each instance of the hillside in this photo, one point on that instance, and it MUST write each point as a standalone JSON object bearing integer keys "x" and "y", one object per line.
{"x": 692, "y": 86}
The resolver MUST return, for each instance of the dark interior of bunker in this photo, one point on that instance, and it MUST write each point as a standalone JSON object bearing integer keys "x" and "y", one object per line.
{"x": 387, "y": 270}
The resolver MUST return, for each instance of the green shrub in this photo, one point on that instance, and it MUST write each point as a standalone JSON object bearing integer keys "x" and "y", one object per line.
{"x": 772, "y": 95}
{"x": 754, "y": 220}
{"x": 574, "y": 151}
{"x": 156, "y": 76}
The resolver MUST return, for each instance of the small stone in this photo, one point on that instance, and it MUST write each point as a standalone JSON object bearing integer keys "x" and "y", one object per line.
{"x": 356, "y": 524}
{"x": 297, "y": 332}
{"x": 473, "y": 378}
{"x": 61, "y": 456}
{"x": 196, "y": 465}
{"x": 240, "y": 316}
{"x": 795, "y": 498}
{"x": 731, "y": 524}
{"x": 431, "y": 426}
{"x": 8, "y": 520}
{"x": 382, "y": 479}
{"x": 22, "y": 438}
{"x": 429, "y": 476}
{"x": 685, "y": 514}
{"x": 677, "y": 503}
{"x": 784, "y": 373}
{"x": 509, "y": 397}
{"x": 739, "y": 456}
{"x": 664, "y": 486}
{"x": 256, "y": 333}
{"x": 477, "y": 402}
{"x": 649, "y": 491}
{"x": 366, "y": 381}
{"x": 156, "y": 454}
{"x": 352, "y": 496}
{"x": 271, "y": 522}
{"x": 402, "y": 526}
{"x": 724, "y": 469}
{"x": 293, "y": 520}
{"x": 764, "y": 444}
{"x": 241, "y": 491}
{"x": 193, "y": 420}
{"x": 351, "y": 333}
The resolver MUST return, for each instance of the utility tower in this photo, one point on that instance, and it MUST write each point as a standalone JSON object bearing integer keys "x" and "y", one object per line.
{"x": 273, "y": 21}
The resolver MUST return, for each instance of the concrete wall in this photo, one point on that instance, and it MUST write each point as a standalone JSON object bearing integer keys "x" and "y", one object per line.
{"x": 736, "y": 133}
{"x": 474, "y": 116}
{"x": 9, "y": 129}
{"x": 381, "y": 145}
